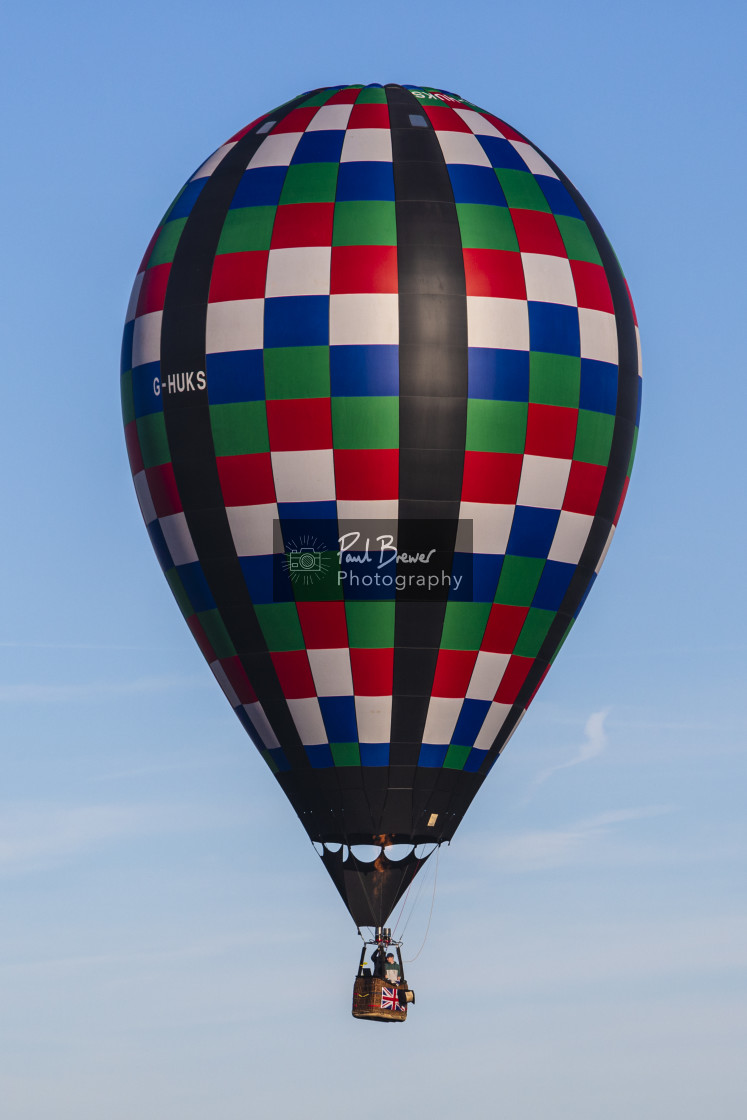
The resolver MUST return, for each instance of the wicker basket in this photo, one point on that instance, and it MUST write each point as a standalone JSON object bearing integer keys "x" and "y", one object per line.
{"x": 369, "y": 993}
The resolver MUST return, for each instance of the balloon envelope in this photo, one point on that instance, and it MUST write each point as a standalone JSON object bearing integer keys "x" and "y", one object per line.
{"x": 380, "y": 382}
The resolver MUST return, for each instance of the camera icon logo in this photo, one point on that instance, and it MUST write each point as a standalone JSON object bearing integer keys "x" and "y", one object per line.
{"x": 305, "y": 560}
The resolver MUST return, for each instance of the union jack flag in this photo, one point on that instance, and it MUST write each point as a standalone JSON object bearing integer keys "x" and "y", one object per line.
{"x": 390, "y": 999}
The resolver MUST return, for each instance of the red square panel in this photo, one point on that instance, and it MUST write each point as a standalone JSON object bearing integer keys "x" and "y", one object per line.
{"x": 635, "y": 317}
{"x": 538, "y": 232}
{"x": 298, "y": 120}
{"x": 344, "y": 96}
{"x": 323, "y": 625}
{"x": 503, "y": 628}
{"x": 163, "y": 491}
{"x": 199, "y": 635}
{"x": 618, "y": 511}
{"x": 149, "y": 250}
{"x": 153, "y": 289}
{"x": 302, "y": 224}
{"x": 508, "y": 132}
{"x": 372, "y": 671}
{"x": 444, "y": 119}
{"x": 238, "y": 679}
{"x": 246, "y": 480}
{"x": 369, "y": 116}
{"x": 238, "y": 276}
{"x": 364, "y": 268}
{"x": 132, "y": 440}
{"x": 513, "y": 679}
{"x": 584, "y": 488}
{"x": 299, "y": 425}
{"x": 367, "y": 475}
{"x": 491, "y": 477}
{"x": 551, "y": 431}
{"x": 494, "y": 272}
{"x": 294, "y": 674}
{"x": 453, "y": 671}
{"x": 592, "y": 288}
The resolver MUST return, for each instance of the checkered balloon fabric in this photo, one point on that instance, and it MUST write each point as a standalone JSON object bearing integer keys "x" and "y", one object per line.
{"x": 381, "y": 385}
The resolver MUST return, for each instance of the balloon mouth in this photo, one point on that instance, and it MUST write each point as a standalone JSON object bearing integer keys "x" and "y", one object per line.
{"x": 369, "y": 853}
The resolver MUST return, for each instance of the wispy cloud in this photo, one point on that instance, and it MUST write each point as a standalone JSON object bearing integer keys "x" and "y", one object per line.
{"x": 593, "y": 745}
{"x": 40, "y": 692}
{"x": 542, "y": 849}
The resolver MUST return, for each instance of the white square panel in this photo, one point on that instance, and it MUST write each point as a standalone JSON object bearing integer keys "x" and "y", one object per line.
{"x": 494, "y": 721}
{"x": 374, "y": 717}
{"x": 206, "y": 169}
{"x": 570, "y": 537}
{"x": 265, "y": 735}
{"x": 598, "y": 335}
{"x": 235, "y": 324}
{"x": 491, "y": 526}
{"x": 330, "y": 118}
{"x": 330, "y": 669}
{"x": 384, "y": 509}
{"x": 220, "y": 675}
{"x": 499, "y": 324}
{"x": 298, "y": 272}
{"x": 304, "y": 476}
{"x": 487, "y": 675}
{"x": 275, "y": 151}
{"x": 463, "y": 147}
{"x": 307, "y": 716}
{"x": 365, "y": 319}
{"x": 548, "y": 279}
{"x": 443, "y": 713}
{"x": 178, "y": 538}
{"x": 146, "y": 338}
{"x": 145, "y": 501}
{"x": 534, "y": 161}
{"x": 252, "y": 529}
{"x": 478, "y": 124}
{"x": 543, "y": 481}
{"x": 134, "y": 297}
{"x": 367, "y": 145}
{"x": 606, "y": 548}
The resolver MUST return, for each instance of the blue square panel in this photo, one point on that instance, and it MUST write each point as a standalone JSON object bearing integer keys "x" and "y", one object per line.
{"x": 186, "y": 200}
{"x": 161, "y": 549}
{"x": 532, "y": 531}
{"x": 498, "y": 375}
{"x": 475, "y": 184}
{"x": 553, "y": 328}
{"x": 502, "y": 153}
{"x": 319, "y": 147}
{"x": 338, "y": 713}
{"x": 432, "y": 755}
{"x": 297, "y": 321}
{"x": 196, "y": 586}
{"x": 471, "y": 719}
{"x": 558, "y": 198}
{"x": 364, "y": 371}
{"x": 145, "y": 381}
{"x": 235, "y": 376}
{"x": 260, "y": 186}
{"x": 598, "y": 386}
{"x": 374, "y": 754}
{"x": 365, "y": 181}
{"x": 553, "y": 585}
{"x": 320, "y": 756}
{"x": 475, "y": 759}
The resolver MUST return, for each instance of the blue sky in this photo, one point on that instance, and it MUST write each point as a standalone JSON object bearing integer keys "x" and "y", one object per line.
{"x": 162, "y": 911}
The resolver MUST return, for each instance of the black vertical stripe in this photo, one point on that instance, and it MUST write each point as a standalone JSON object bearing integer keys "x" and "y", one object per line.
{"x": 432, "y": 425}
{"x": 188, "y": 429}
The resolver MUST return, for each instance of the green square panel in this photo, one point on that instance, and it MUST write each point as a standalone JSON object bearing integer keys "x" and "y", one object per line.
{"x": 518, "y": 581}
{"x": 365, "y": 422}
{"x": 632, "y": 453}
{"x": 177, "y": 589}
{"x": 154, "y": 445}
{"x": 522, "y": 190}
{"x": 280, "y": 626}
{"x": 267, "y": 756}
{"x": 365, "y": 223}
{"x": 247, "y": 229}
{"x": 579, "y": 244}
{"x": 370, "y": 625}
{"x": 168, "y": 239}
{"x": 496, "y": 426}
{"x": 323, "y": 586}
{"x": 464, "y": 625}
{"x": 292, "y": 372}
{"x": 554, "y": 379}
{"x": 309, "y": 182}
{"x": 533, "y": 632}
{"x": 318, "y": 98}
{"x": 239, "y": 428}
{"x": 371, "y": 96}
{"x": 456, "y": 757}
{"x": 217, "y": 635}
{"x": 486, "y": 227}
{"x": 568, "y": 629}
{"x": 345, "y": 754}
{"x": 128, "y": 401}
{"x": 593, "y": 437}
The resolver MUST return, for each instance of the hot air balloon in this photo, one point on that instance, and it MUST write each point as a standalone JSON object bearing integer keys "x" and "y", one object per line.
{"x": 381, "y": 384}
